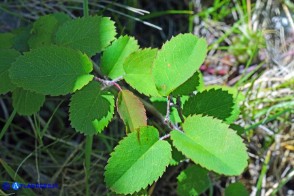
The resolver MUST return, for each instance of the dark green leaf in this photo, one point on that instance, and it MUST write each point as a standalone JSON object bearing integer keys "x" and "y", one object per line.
{"x": 7, "y": 57}
{"x": 177, "y": 156}
{"x": 193, "y": 181}
{"x": 238, "y": 98}
{"x": 90, "y": 34}
{"x": 213, "y": 102}
{"x": 21, "y": 38}
{"x": 6, "y": 40}
{"x": 52, "y": 70}
{"x": 240, "y": 130}
{"x": 26, "y": 102}
{"x": 236, "y": 188}
{"x": 91, "y": 109}
{"x": 44, "y": 29}
{"x": 189, "y": 86}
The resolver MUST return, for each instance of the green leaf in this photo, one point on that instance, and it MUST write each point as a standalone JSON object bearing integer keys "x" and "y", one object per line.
{"x": 21, "y": 38}
{"x": 189, "y": 86}
{"x": 90, "y": 34}
{"x": 131, "y": 110}
{"x": 238, "y": 98}
{"x": 201, "y": 85}
{"x": 6, "y": 40}
{"x": 174, "y": 116}
{"x": 137, "y": 161}
{"x": 177, "y": 156}
{"x": 44, "y": 29}
{"x": 159, "y": 103}
{"x": 26, "y": 102}
{"x": 213, "y": 102}
{"x": 138, "y": 68}
{"x": 193, "y": 181}
{"x": 240, "y": 130}
{"x": 177, "y": 61}
{"x": 52, "y": 70}
{"x": 91, "y": 109}
{"x": 7, "y": 57}
{"x": 114, "y": 56}
{"x": 210, "y": 143}
{"x": 236, "y": 188}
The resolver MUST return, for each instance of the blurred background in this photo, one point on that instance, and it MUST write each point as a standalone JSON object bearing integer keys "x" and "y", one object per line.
{"x": 251, "y": 47}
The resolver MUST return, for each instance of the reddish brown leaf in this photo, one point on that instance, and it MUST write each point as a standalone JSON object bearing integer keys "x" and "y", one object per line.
{"x": 131, "y": 110}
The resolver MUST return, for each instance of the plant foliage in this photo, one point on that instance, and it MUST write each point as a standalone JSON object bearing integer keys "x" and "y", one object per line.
{"x": 193, "y": 181}
{"x": 131, "y": 110}
{"x": 236, "y": 188}
{"x": 209, "y": 143}
{"x": 91, "y": 108}
{"x": 7, "y": 57}
{"x": 177, "y": 61}
{"x": 115, "y": 55}
{"x": 138, "y": 71}
{"x": 52, "y": 70}
{"x": 26, "y": 102}
{"x": 124, "y": 172}
{"x": 88, "y": 34}
{"x": 53, "y": 57}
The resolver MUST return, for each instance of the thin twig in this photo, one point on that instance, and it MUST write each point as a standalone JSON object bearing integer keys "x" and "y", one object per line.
{"x": 167, "y": 119}
{"x": 108, "y": 83}
{"x": 179, "y": 108}
{"x": 150, "y": 108}
{"x": 165, "y": 137}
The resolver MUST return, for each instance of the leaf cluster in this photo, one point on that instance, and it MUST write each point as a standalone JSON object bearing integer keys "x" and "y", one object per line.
{"x": 55, "y": 60}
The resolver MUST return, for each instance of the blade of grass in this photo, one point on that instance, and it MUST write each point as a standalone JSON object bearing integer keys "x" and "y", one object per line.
{"x": 263, "y": 172}
{"x": 2, "y": 193}
{"x": 88, "y": 151}
{"x": 45, "y": 128}
{"x": 133, "y": 9}
{"x": 191, "y": 17}
{"x": 7, "y": 124}
{"x": 167, "y": 12}
{"x": 283, "y": 182}
{"x": 224, "y": 36}
{"x": 15, "y": 177}
{"x": 86, "y": 8}
{"x": 273, "y": 117}
{"x": 249, "y": 62}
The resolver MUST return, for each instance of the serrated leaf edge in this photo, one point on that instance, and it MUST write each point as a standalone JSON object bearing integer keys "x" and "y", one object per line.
{"x": 29, "y": 89}
{"x": 232, "y": 107}
{"x": 85, "y": 134}
{"x": 142, "y": 93}
{"x": 105, "y": 168}
{"x": 242, "y": 141}
{"x": 82, "y": 18}
{"x": 112, "y": 42}
{"x": 139, "y": 102}
{"x": 214, "y": 89}
{"x": 180, "y": 34}
{"x": 22, "y": 114}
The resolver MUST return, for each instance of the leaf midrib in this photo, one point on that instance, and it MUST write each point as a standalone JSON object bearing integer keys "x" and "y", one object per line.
{"x": 210, "y": 153}
{"x": 137, "y": 160}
